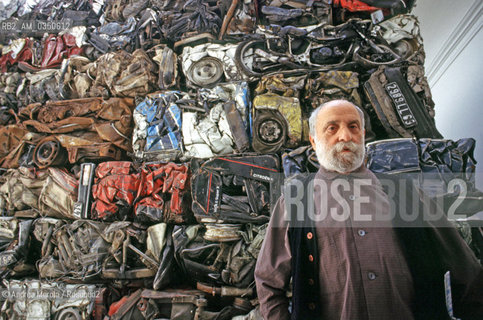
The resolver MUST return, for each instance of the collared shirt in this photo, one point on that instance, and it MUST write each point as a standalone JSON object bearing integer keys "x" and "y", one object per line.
{"x": 363, "y": 273}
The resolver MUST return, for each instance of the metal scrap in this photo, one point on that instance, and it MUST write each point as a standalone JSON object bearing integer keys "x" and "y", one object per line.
{"x": 157, "y": 126}
{"x": 207, "y": 64}
{"x": 223, "y": 127}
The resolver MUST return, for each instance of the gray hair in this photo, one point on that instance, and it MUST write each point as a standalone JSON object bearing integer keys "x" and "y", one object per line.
{"x": 313, "y": 116}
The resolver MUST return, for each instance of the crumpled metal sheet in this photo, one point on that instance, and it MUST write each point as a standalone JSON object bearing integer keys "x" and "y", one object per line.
{"x": 21, "y": 191}
{"x": 400, "y": 27}
{"x": 23, "y": 153}
{"x": 237, "y": 92}
{"x": 139, "y": 77}
{"x": 87, "y": 250}
{"x": 207, "y": 136}
{"x": 243, "y": 19}
{"x": 289, "y": 134}
{"x": 76, "y": 80}
{"x": 31, "y": 55}
{"x": 114, "y": 190}
{"x": 133, "y": 8}
{"x": 79, "y": 34}
{"x": 182, "y": 18}
{"x": 222, "y": 232}
{"x": 156, "y": 240}
{"x": 403, "y": 33}
{"x": 217, "y": 133}
{"x": 15, "y": 47}
{"x": 113, "y": 10}
{"x": 330, "y": 85}
{"x": 35, "y": 299}
{"x": 88, "y": 147}
{"x": 107, "y": 69}
{"x": 6, "y": 117}
{"x": 277, "y": 15}
{"x": 78, "y": 11}
{"x": 40, "y": 86}
{"x": 115, "y": 35}
{"x": 9, "y": 82}
{"x": 55, "y": 111}
{"x": 15, "y": 260}
{"x": 119, "y": 74}
{"x": 17, "y": 50}
{"x": 235, "y": 262}
{"x": 125, "y": 74}
{"x": 19, "y": 89}
{"x": 393, "y": 156}
{"x": 8, "y": 8}
{"x": 50, "y": 192}
{"x": 301, "y": 160}
{"x": 87, "y": 128}
{"x": 186, "y": 304}
{"x": 287, "y": 86}
{"x": 419, "y": 83}
{"x": 440, "y": 158}
{"x": 234, "y": 189}
{"x": 204, "y": 65}
{"x": 120, "y": 10}
{"x": 154, "y": 193}
{"x": 58, "y": 195}
{"x": 54, "y": 49}
{"x": 443, "y": 169}
{"x": 164, "y": 194}
{"x": 157, "y": 126}
{"x": 167, "y": 61}
{"x": 297, "y": 13}
{"x": 449, "y": 156}
{"x": 10, "y": 137}
{"x": 129, "y": 257}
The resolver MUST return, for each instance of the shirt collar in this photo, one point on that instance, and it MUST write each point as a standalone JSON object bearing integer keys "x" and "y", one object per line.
{"x": 361, "y": 172}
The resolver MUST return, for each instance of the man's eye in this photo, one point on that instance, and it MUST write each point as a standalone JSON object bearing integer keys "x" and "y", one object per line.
{"x": 354, "y": 126}
{"x": 331, "y": 128}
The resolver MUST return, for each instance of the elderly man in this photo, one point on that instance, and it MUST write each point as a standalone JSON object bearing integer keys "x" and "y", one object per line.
{"x": 341, "y": 269}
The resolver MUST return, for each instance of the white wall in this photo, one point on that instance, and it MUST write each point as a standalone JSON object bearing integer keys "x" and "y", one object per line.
{"x": 453, "y": 43}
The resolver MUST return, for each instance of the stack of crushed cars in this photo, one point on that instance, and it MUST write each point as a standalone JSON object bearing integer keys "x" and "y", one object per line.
{"x": 143, "y": 145}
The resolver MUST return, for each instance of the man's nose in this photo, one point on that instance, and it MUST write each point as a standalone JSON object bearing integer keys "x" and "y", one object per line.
{"x": 345, "y": 134}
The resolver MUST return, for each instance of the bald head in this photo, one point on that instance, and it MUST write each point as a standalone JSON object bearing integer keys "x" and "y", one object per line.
{"x": 333, "y": 104}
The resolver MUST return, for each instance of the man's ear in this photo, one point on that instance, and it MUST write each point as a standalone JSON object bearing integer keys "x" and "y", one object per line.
{"x": 312, "y": 142}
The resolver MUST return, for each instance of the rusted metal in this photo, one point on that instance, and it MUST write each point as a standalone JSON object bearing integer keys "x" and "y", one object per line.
{"x": 226, "y": 20}
{"x": 225, "y": 291}
{"x": 222, "y": 232}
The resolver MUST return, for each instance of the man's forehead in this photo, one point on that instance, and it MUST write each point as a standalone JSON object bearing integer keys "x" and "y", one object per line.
{"x": 338, "y": 113}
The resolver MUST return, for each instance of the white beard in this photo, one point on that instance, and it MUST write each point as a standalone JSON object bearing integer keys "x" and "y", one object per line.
{"x": 333, "y": 159}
